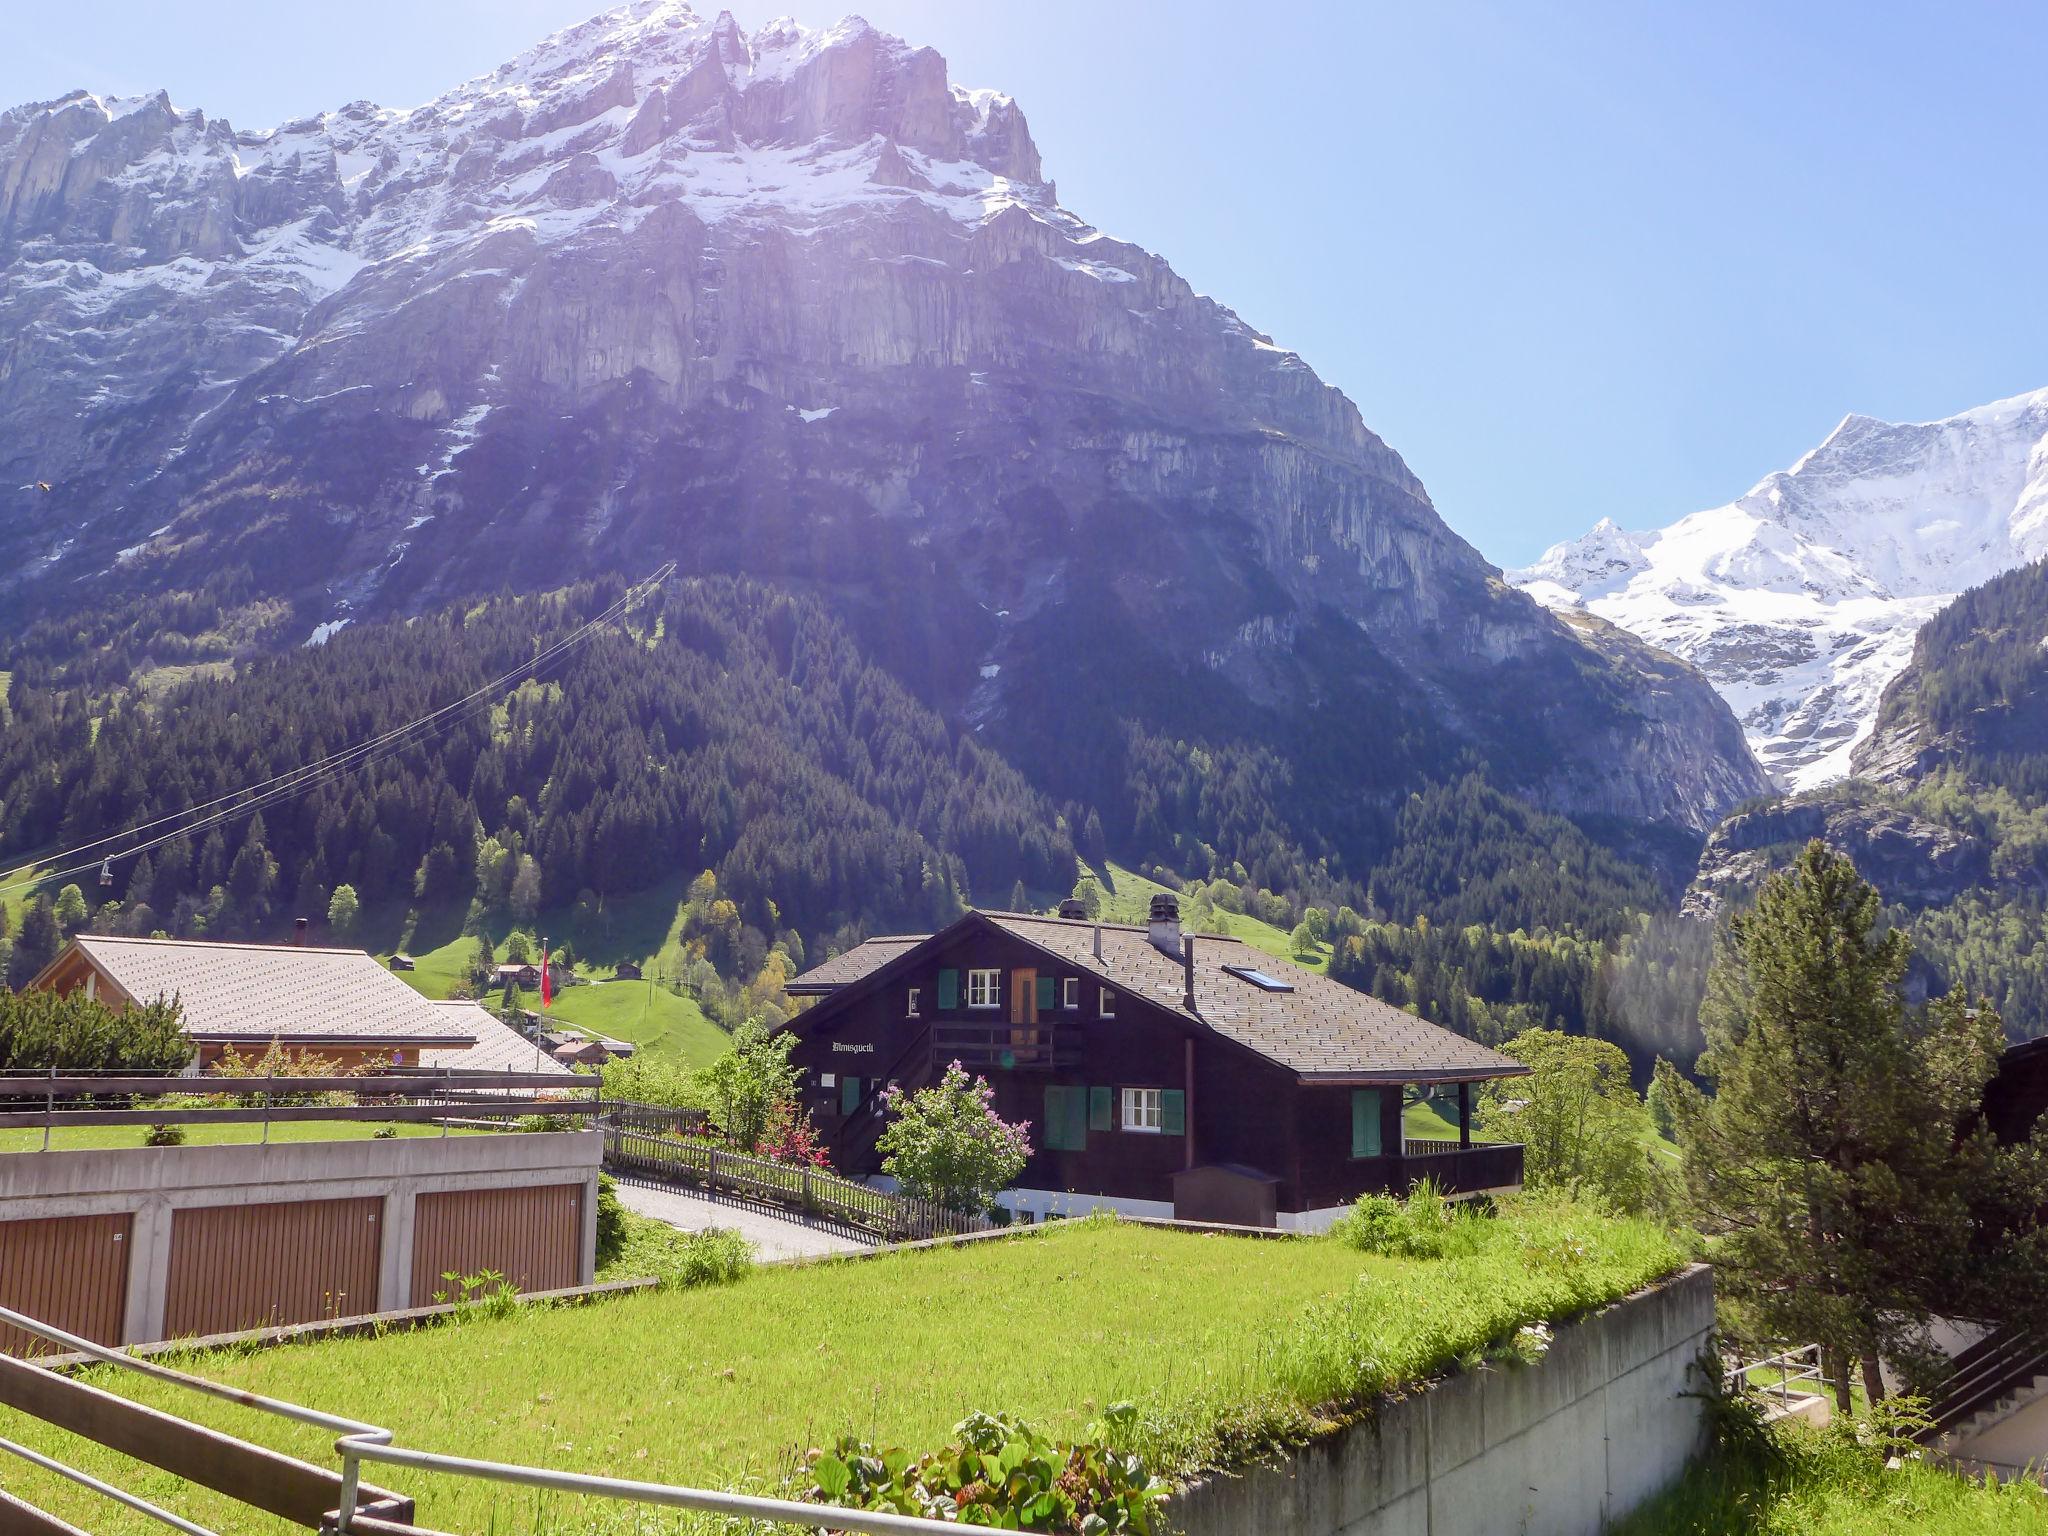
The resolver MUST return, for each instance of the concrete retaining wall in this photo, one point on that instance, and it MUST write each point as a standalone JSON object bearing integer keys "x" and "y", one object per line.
{"x": 152, "y": 1182}
{"x": 1558, "y": 1448}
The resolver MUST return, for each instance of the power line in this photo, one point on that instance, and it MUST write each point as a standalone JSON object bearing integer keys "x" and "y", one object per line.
{"x": 292, "y": 782}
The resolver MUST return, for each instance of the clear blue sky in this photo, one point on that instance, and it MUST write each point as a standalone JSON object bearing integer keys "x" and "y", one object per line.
{"x": 1571, "y": 260}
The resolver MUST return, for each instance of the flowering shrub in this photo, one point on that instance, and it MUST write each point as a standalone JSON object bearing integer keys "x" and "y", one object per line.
{"x": 947, "y": 1144}
{"x": 1004, "y": 1474}
{"x": 790, "y": 1137}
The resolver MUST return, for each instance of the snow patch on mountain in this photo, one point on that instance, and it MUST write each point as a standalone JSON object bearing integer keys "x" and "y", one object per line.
{"x": 1800, "y": 600}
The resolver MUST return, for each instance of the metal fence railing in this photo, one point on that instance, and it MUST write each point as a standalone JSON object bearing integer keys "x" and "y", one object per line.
{"x": 1786, "y": 1381}
{"x": 810, "y": 1191}
{"x": 58, "y": 1100}
{"x": 221, "y": 1462}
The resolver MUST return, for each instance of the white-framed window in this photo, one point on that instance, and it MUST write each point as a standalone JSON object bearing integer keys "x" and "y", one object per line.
{"x": 1108, "y": 1003}
{"x": 1070, "y": 992}
{"x": 1144, "y": 1110}
{"x": 828, "y": 1079}
{"x": 911, "y": 1010}
{"x": 984, "y": 989}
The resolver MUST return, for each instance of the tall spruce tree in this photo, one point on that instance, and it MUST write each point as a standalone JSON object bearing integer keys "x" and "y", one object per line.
{"x": 1831, "y": 1168}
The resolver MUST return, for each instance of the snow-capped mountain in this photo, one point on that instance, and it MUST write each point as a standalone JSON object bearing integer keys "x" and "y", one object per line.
{"x": 787, "y": 303}
{"x": 1801, "y": 599}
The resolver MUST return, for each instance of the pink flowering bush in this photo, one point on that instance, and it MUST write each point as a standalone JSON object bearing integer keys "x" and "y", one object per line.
{"x": 947, "y": 1144}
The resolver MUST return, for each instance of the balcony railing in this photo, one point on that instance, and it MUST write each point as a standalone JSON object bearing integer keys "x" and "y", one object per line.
{"x": 1002, "y": 1047}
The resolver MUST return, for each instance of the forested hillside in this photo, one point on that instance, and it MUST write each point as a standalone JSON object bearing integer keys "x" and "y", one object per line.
{"x": 726, "y": 727}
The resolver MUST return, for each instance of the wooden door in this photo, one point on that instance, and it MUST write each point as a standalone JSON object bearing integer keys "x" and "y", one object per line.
{"x": 1023, "y": 996}
{"x": 261, "y": 1266}
{"x": 533, "y": 1237}
{"x": 68, "y": 1271}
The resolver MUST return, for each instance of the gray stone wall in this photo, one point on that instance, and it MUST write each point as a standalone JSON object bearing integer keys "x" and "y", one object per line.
{"x": 1557, "y": 1448}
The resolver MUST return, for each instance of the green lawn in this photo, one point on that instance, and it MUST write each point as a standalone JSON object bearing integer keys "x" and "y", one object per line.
{"x": 1127, "y": 898}
{"x": 1216, "y": 1339}
{"x": 99, "y": 1137}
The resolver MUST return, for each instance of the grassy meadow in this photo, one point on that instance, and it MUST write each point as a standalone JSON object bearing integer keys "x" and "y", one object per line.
{"x": 1223, "y": 1343}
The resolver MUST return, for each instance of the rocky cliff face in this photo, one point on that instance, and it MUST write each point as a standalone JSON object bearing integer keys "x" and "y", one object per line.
{"x": 1801, "y": 600}
{"x": 1913, "y": 861}
{"x": 787, "y": 303}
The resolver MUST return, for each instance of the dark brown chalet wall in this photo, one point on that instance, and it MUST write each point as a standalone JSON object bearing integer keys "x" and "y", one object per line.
{"x": 1088, "y": 1059}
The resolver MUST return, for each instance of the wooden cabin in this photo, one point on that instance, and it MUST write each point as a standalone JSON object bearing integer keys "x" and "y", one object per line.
{"x": 1163, "y": 1073}
{"x": 340, "y": 1004}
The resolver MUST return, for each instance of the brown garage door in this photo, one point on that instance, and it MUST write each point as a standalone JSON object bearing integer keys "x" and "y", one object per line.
{"x": 253, "y": 1266}
{"x": 533, "y": 1237}
{"x": 68, "y": 1271}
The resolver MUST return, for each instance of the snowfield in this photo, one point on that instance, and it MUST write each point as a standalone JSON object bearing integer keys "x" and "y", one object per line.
{"x": 1801, "y": 599}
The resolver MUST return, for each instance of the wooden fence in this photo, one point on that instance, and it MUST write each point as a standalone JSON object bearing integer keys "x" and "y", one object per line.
{"x": 809, "y": 1191}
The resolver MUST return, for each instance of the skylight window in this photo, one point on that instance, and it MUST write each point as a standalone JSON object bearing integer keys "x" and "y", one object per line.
{"x": 1259, "y": 978}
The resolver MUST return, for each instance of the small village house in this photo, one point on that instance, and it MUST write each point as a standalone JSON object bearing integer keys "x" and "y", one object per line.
{"x": 1163, "y": 1073}
{"x": 335, "y": 1003}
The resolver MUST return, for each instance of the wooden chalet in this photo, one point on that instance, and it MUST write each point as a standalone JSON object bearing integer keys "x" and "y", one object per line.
{"x": 340, "y": 1004}
{"x": 1162, "y": 1073}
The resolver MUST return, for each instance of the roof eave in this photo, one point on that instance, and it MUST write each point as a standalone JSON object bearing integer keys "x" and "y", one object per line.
{"x": 1385, "y": 1077}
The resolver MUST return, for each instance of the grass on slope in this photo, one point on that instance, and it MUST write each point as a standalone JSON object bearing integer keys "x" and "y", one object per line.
{"x": 1830, "y": 1486}
{"x": 1219, "y": 1341}
{"x": 640, "y": 928}
{"x": 652, "y": 1017}
{"x": 1127, "y": 898}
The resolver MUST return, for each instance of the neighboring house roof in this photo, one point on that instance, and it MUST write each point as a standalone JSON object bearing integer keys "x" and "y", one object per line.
{"x": 866, "y": 956}
{"x": 499, "y": 1047}
{"x": 256, "y": 993}
{"x": 1317, "y": 1028}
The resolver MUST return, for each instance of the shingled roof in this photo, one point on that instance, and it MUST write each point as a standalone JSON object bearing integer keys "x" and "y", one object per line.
{"x": 1318, "y": 1028}
{"x": 499, "y": 1047}
{"x": 866, "y": 956}
{"x": 256, "y": 993}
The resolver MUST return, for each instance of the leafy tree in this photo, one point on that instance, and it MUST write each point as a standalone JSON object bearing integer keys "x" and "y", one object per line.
{"x": 1579, "y": 1119}
{"x": 1303, "y": 942}
{"x": 947, "y": 1144}
{"x": 744, "y": 1086}
{"x": 71, "y": 909}
{"x": 1317, "y": 922}
{"x": 518, "y": 948}
{"x": 1827, "y": 1168}
{"x": 1089, "y": 894}
{"x": 343, "y": 910}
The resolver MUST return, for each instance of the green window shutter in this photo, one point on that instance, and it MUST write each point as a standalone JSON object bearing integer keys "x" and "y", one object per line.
{"x": 1098, "y": 1109}
{"x": 849, "y": 1095}
{"x": 949, "y": 990}
{"x": 1066, "y": 1125}
{"x": 1045, "y": 994}
{"x": 1365, "y": 1122}
{"x": 1173, "y": 1112}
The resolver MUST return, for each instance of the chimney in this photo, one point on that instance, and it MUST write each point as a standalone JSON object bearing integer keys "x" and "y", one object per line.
{"x": 1098, "y": 943}
{"x": 1072, "y": 909}
{"x": 299, "y": 933}
{"x": 1187, "y": 971}
{"x": 1165, "y": 924}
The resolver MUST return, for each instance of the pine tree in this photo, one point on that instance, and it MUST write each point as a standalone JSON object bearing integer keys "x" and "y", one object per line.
{"x": 1828, "y": 1168}
{"x": 37, "y": 943}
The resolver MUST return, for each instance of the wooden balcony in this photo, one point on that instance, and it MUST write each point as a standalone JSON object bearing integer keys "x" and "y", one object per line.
{"x": 996, "y": 1046}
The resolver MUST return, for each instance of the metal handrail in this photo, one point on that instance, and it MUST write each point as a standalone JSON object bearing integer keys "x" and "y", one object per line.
{"x": 360, "y": 1442}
